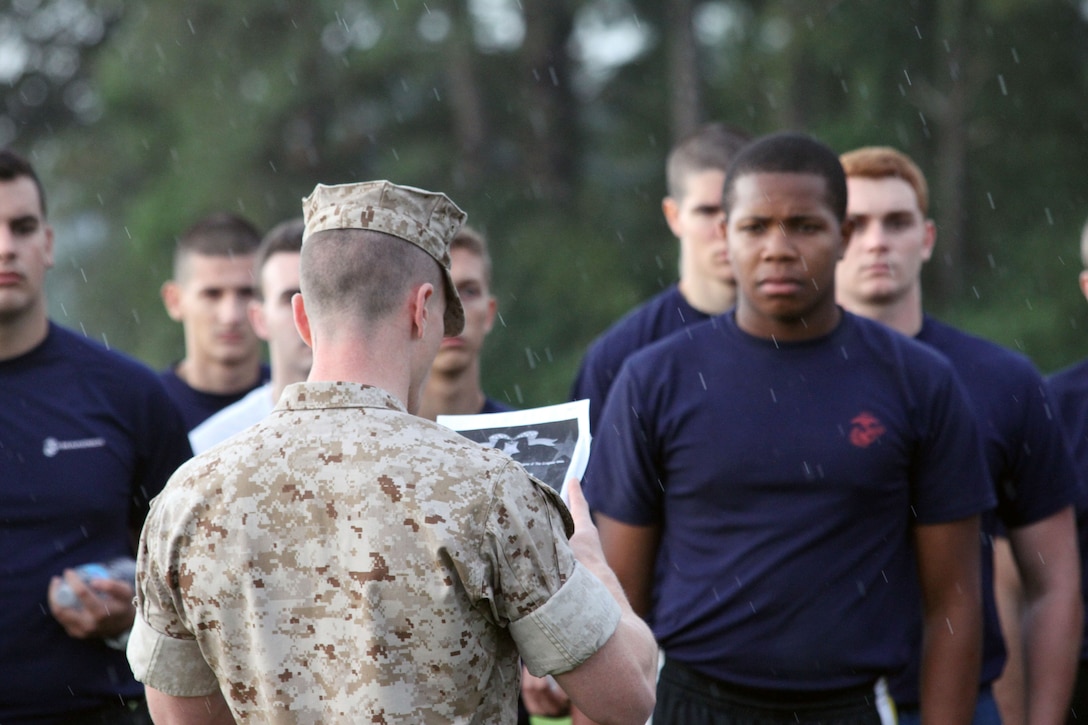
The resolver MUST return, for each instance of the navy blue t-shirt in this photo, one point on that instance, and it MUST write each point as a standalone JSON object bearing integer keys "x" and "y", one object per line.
{"x": 87, "y": 437}
{"x": 197, "y": 406}
{"x": 1070, "y": 390}
{"x": 658, "y": 317}
{"x": 1031, "y": 470}
{"x": 786, "y": 478}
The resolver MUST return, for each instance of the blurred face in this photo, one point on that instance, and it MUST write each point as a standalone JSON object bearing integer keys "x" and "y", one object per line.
{"x": 890, "y": 242}
{"x": 210, "y": 300}
{"x": 274, "y": 321}
{"x": 784, "y": 240}
{"x": 459, "y": 352}
{"x": 697, "y": 221}
{"x": 26, "y": 249}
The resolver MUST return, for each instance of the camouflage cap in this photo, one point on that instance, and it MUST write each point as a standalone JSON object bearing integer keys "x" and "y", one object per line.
{"x": 426, "y": 219}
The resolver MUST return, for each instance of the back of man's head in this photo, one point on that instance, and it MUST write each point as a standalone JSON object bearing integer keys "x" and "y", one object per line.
{"x": 14, "y": 166}
{"x": 361, "y": 274}
{"x": 711, "y": 147}
{"x": 790, "y": 153}
{"x": 284, "y": 238}
{"x": 883, "y": 162}
{"x": 365, "y": 245}
{"x": 221, "y": 234}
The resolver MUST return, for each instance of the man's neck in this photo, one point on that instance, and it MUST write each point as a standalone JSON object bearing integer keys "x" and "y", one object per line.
{"x": 21, "y": 335}
{"x": 711, "y": 297}
{"x": 453, "y": 394}
{"x": 218, "y": 378}
{"x": 903, "y": 315}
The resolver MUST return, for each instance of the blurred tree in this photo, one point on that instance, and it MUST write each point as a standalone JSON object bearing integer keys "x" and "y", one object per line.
{"x": 549, "y": 123}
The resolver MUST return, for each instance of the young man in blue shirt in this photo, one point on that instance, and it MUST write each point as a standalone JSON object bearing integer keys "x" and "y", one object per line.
{"x": 87, "y": 437}
{"x": 777, "y": 486}
{"x": 1031, "y": 471}
{"x": 209, "y": 295}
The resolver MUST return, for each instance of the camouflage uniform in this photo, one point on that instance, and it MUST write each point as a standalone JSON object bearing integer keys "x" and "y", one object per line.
{"x": 344, "y": 561}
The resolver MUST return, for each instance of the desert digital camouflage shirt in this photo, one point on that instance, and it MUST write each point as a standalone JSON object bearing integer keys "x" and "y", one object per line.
{"x": 344, "y": 561}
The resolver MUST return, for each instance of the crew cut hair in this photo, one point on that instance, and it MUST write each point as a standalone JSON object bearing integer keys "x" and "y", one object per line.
{"x": 789, "y": 153}
{"x": 13, "y": 166}
{"x": 361, "y": 274}
{"x": 711, "y": 147}
{"x": 220, "y": 234}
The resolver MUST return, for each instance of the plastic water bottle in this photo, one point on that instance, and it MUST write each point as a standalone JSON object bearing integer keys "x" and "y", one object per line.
{"x": 120, "y": 569}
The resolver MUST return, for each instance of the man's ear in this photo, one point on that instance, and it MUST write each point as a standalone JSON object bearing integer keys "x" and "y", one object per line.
{"x": 302, "y": 320}
{"x": 847, "y": 229}
{"x": 171, "y": 299}
{"x": 492, "y": 310}
{"x": 255, "y": 313}
{"x": 671, "y": 209}
{"x": 930, "y": 240}
{"x": 421, "y": 315}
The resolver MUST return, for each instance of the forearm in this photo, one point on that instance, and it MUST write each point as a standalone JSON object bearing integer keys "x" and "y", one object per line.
{"x": 169, "y": 710}
{"x": 951, "y": 658}
{"x": 1052, "y": 627}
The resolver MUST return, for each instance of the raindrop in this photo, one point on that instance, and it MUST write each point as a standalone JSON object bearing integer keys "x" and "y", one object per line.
{"x": 702, "y": 380}
{"x": 975, "y": 290}
{"x": 992, "y": 261}
{"x": 907, "y": 76}
{"x": 437, "y": 96}
{"x": 135, "y": 315}
{"x": 774, "y": 398}
{"x": 918, "y": 31}
{"x": 1015, "y": 56}
{"x": 1049, "y": 218}
{"x": 395, "y": 154}
{"x": 105, "y": 340}
{"x": 1028, "y": 303}
{"x": 554, "y": 75}
{"x": 990, "y": 198}
{"x": 191, "y": 28}
{"x": 63, "y": 309}
{"x": 529, "y": 357}
{"x": 127, "y": 233}
{"x": 1001, "y": 82}
{"x": 273, "y": 165}
{"x": 844, "y": 88}
{"x": 501, "y": 320}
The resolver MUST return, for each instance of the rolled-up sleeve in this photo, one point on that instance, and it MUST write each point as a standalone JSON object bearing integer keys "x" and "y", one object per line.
{"x": 170, "y": 665}
{"x": 567, "y": 629}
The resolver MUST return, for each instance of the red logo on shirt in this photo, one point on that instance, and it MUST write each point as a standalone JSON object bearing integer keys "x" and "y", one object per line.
{"x": 865, "y": 428}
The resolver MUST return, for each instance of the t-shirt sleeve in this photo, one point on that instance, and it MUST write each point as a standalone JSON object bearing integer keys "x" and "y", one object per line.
{"x": 162, "y": 651}
{"x": 1041, "y": 477}
{"x": 622, "y": 476}
{"x": 951, "y": 480}
{"x": 558, "y": 613}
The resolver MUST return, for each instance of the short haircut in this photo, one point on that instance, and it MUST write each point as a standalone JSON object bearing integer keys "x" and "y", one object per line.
{"x": 14, "y": 166}
{"x": 711, "y": 147}
{"x": 882, "y": 162}
{"x": 789, "y": 153}
{"x": 285, "y": 237}
{"x": 472, "y": 241}
{"x": 220, "y": 234}
{"x": 362, "y": 273}
{"x": 1084, "y": 245}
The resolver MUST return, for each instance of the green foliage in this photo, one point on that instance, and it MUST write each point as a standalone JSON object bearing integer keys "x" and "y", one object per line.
{"x": 200, "y": 105}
